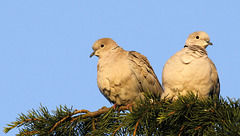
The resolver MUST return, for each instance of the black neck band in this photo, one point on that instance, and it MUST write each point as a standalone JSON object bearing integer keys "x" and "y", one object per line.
{"x": 115, "y": 48}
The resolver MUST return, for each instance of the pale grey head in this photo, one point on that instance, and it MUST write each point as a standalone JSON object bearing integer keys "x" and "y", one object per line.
{"x": 102, "y": 46}
{"x": 199, "y": 38}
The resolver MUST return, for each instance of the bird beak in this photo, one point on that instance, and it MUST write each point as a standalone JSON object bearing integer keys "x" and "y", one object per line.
{"x": 209, "y": 43}
{"x": 92, "y": 54}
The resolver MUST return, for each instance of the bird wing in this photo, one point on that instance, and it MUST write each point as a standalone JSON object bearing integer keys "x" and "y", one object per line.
{"x": 215, "y": 79}
{"x": 144, "y": 73}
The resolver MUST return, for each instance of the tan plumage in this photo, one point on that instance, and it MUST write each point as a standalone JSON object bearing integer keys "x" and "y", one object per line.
{"x": 123, "y": 76}
{"x": 215, "y": 79}
{"x": 190, "y": 69}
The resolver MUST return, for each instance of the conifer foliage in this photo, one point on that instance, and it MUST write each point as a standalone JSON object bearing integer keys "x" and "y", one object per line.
{"x": 188, "y": 115}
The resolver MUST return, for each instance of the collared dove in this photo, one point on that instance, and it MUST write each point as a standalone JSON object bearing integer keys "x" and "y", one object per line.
{"x": 190, "y": 69}
{"x": 123, "y": 76}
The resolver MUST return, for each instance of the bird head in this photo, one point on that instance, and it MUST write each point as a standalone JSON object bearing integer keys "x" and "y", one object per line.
{"x": 199, "y": 38}
{"x": 103, "y": 46}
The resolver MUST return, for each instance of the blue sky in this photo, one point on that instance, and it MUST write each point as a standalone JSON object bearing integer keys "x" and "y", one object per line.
{"x": 45, "y": 46}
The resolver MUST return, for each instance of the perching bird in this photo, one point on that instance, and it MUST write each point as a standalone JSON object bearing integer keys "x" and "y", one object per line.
{"x": 190, "y": 69}
{"x": 123, "y": 76}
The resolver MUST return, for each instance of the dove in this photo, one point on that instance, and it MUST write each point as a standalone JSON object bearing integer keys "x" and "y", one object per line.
{"x": 123, "y": 76}
{"x": 191, "y": 70}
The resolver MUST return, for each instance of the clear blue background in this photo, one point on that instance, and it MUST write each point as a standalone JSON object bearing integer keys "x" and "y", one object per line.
{"x": 45, "y": 46}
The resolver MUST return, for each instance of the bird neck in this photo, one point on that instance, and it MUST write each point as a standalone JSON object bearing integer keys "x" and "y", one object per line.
{"x": 115, "y": 47}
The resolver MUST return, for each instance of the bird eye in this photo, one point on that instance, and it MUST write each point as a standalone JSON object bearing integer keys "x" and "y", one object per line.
{"x": 197, "y": 37}
{"x": 102, "y": 45}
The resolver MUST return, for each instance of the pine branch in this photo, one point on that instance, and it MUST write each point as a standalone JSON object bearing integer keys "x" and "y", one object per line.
{"x": 42, "y": 122}
{"x": 188, "y": 115}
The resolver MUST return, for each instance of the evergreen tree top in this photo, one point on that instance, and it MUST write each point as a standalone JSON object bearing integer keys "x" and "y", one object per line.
{"x": 188, "y": 115}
